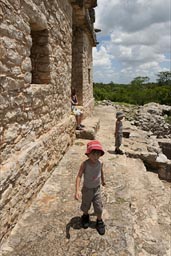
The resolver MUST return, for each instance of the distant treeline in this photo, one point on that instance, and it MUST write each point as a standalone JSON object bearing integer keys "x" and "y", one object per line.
{"x": 132, "y": 93}
{"x": 139, "y": 92}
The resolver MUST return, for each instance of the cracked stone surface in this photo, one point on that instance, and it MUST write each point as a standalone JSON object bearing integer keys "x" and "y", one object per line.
{"x": 137, "y": 208}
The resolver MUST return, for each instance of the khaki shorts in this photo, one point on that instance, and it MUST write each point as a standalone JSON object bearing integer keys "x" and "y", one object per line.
{"x": 91, "y": 195}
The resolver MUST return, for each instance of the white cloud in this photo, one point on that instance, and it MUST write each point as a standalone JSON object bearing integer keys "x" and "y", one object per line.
{"x": 135, "y": 39}
{"x": 101, "y": 57}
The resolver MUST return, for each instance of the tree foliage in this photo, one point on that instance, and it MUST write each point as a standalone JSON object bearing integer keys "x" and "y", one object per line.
{"x": 164, "y": 78}
{"x": 139, "y": 94}
{"x": 139, "y": 80}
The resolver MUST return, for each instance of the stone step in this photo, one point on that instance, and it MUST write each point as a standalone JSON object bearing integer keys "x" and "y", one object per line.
{"x": 92, "y": 125}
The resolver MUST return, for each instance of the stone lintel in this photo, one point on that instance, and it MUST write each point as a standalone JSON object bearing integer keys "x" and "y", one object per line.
{"x": 87, "y": 3}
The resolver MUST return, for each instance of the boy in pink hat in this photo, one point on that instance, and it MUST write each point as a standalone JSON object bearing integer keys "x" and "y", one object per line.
{"x": 92, "y": 170}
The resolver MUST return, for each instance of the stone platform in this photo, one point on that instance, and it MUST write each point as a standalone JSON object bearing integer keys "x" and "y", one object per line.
{"x": 136, "y": 206}
{"x": 92, "y": 125}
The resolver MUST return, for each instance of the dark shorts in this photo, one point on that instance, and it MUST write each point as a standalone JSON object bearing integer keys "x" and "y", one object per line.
{"x": 91, "y": 195}
{"x": 118, "y": 140}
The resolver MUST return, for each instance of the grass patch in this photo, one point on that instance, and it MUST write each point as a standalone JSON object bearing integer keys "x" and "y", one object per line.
{"x": 168, "y": 119}
{"x": 120, "y": 200}
{"x": 79, "y": 143}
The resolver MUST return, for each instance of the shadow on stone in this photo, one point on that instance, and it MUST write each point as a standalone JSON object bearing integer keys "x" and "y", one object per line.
{"x": 92, "y": 224}
{"x": 75, "y": 223}
{"x": 92, "y": 125}
{"x": 111, "y": 151}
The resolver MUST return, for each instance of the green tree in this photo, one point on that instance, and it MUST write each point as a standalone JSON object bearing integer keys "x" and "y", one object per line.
{"x": 164, "y": 78}
{"x": 139, "y": 80}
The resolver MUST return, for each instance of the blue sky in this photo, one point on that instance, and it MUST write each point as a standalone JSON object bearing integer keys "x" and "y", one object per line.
{"x": 135, "y": 39}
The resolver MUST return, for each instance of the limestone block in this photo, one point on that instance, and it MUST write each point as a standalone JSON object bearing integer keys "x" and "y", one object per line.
{"x": 38, "y": 21}
{"x": 6, "y": 195}
{"x": 161, "y": 158}
{"x": 11, "y": 116}
{"x": 11, "y": 132}
{"x": 15, "y": 71}
{"x": 14, "y": 57}
{"x": 164, "y": 171}
{"x": 7, "y": 174}
{"x": 26, "y": 65}
{"x": 92, "y": 125}
{"x": 3, "y": 68}
{"x": 27, "y": 77}
{"x": 3, "y": 50}
{"x": 3, "y": 102}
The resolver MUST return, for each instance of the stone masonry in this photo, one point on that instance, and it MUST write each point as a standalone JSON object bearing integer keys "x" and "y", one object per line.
{"x": 45, "y": 50}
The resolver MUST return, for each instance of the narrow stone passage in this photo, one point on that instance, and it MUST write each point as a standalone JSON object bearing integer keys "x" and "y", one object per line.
{"x": 136, "y": 208}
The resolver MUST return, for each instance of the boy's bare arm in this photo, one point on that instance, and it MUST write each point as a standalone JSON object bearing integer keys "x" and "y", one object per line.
{"x": 74, "y": 103}
{"x": 116, "y": 128}
{"x": 102, "y": 177}
{"x": 78, "y": 181}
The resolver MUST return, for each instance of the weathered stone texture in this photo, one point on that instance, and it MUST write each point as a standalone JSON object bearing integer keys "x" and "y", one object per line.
{"x": 21, "y": 100}
{"x": 24, "y": 173}
{"x": 36, "y": 126}
{"x": 88, "y": 76}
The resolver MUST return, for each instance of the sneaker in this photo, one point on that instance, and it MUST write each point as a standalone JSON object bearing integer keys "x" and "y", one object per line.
{"x": 118, "y": 151}
{"x": 100, "y": 226}
{"x": 85, "y": 220}
{"x": 79, "y": 128}
{"x": 81, "y": 125}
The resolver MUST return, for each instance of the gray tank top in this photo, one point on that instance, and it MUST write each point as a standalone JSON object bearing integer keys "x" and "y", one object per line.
{"x": 92, "y": 174}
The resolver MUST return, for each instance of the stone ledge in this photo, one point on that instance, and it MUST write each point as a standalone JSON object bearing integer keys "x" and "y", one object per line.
{"x": 153, "y": 162}
{"x": 92, "y": 124}
{"x": 165, "y": 144}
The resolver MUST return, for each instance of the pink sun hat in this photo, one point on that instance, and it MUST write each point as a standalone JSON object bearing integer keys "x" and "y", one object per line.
{"x": 94, "y": 145}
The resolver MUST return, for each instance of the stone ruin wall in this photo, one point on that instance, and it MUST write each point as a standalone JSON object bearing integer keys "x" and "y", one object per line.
{"x": 36, "y": 125}
{"x": 87, "y": 75}
{"x": 77, "y": 73}
{"x": 82, "y": 78}
{"x": 83, "y": 39}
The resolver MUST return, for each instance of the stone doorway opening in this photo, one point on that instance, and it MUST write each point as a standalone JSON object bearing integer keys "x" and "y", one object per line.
{"x": 40, "y": 57}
